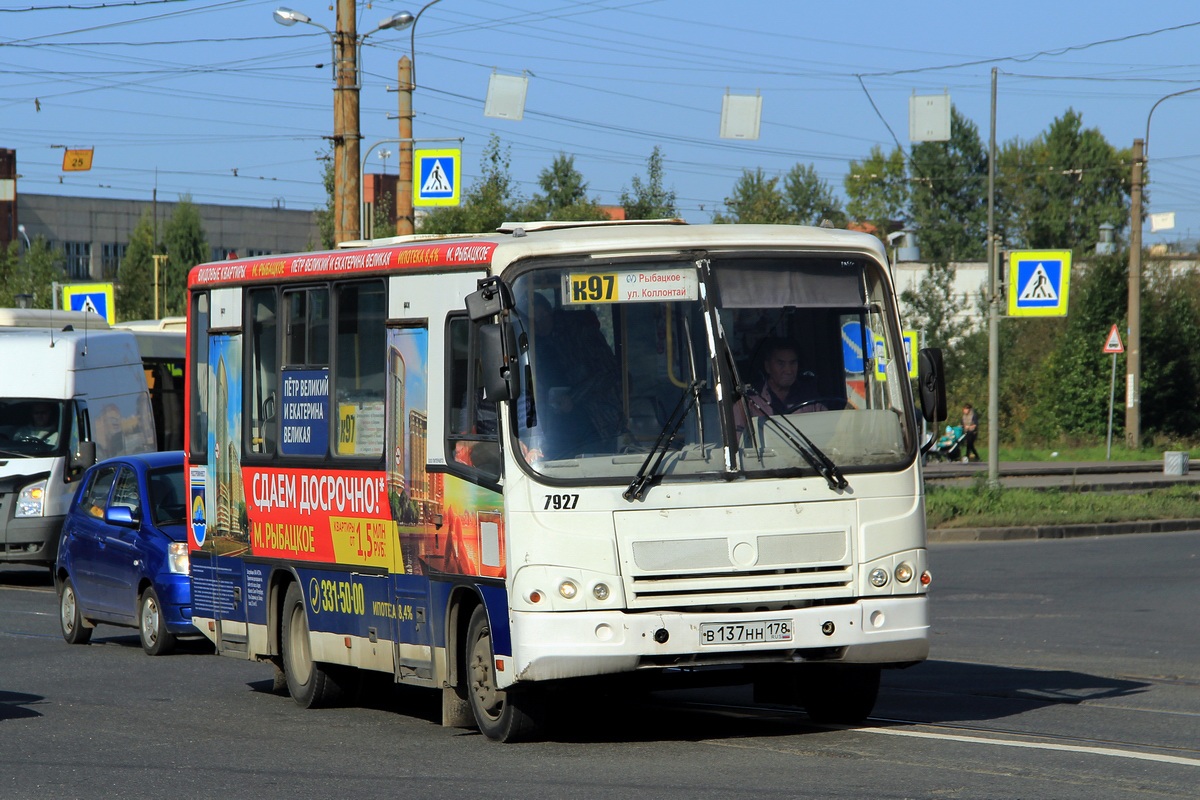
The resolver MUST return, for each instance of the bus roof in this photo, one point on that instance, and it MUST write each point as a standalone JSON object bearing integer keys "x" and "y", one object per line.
{"x": 494, "y": 251}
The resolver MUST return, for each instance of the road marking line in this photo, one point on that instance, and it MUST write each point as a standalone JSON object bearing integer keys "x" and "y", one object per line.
{"x": 1070, "y": 748}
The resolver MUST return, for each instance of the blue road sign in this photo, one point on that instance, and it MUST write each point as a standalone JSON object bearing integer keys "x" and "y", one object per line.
{"x": 1039, "y": 281}
{"x": 436, "y": 177}
{"x": 94, "y": 297}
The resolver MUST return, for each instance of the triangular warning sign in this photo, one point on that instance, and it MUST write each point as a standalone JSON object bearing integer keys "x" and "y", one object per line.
{"x": 1113, "y": 344}
{"x": 89, "y": 305}
{"x": 437, "y": 182}
{"x": 1039, "y": 287}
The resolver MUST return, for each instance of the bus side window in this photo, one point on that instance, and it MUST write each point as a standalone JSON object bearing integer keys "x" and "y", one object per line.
{"x": 472, "y": 429}
{"x": 360, "y": 360}
{"x": 199, "y": 369}
{"x": 263, "y": 369}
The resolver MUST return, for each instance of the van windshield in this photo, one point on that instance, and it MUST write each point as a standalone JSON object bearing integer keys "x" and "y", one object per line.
{"x": 30, "y": 426}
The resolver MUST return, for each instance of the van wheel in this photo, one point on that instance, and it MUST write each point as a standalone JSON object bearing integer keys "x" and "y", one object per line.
{"x": 843, "y": 693}
{"x": 69, "y": 617}
{"x": 502, "y": 715}
{"x": 311, "y": 684}
{"x": 156, "y": 639}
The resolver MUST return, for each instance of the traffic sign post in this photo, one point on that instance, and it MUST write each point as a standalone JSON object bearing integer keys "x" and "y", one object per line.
{"x": 1112, "y": 345}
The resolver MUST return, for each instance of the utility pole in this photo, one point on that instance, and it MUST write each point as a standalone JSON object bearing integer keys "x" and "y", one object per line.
{"x": 347, "y": 182}
{"x": 1133, "y": 355}
{"x": 404, "y": 196}
{"x": 993, "y": 257}
{"x": 159, "y": 260}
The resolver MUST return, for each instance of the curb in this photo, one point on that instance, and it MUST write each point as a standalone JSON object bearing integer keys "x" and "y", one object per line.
{"x": 939, "y": 535}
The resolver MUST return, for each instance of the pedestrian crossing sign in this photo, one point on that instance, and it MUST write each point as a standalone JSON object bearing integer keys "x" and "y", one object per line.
{"x": 1038, "y": 283}
{"x": 436, "y": 177}
{"x": 94, "y": 297}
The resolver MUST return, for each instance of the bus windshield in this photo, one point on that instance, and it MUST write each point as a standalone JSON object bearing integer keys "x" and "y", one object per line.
{"x": 729, "y": 363}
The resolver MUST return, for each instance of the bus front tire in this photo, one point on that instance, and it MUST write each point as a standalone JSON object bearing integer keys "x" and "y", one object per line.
{"x": 838, "y": 693}
{"x": 502, "y": 715}
{"x": 311, "y": 684}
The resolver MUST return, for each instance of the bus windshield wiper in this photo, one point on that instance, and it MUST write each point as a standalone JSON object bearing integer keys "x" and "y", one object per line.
{"x": 646, "y": 473}
{"x": 806, "y": 447}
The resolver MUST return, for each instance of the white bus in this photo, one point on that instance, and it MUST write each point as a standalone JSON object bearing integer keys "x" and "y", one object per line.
{"x": 507, "y": 465}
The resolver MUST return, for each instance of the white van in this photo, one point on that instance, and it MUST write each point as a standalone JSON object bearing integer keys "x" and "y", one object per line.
{"x": 72, "y": 391}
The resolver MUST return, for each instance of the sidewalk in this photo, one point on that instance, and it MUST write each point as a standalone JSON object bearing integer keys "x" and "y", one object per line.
{"x": 1106, "y": 476}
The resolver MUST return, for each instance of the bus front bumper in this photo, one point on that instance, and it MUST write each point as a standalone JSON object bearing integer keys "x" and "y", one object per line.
{"x": 557, "y": 645}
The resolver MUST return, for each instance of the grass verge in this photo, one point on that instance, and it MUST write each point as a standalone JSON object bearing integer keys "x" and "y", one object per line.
{"x": 979, "y": 506}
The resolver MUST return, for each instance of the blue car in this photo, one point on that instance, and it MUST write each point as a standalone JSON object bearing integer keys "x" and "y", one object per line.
{"x": 123, "y": 554}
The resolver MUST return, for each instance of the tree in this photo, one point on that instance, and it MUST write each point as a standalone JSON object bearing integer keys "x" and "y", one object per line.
{"x": 649, "y": 200}
{"x": 934, "y": 307}
{"x": 809, "y": 199}
{"x": 186, "y": 247}
{"x": 488, "y": 202}
{"x": 948, "y": 195}
{"x": 565, "y": 195}
{"x": 877, "y": 189}
{"x": 1059, "y": 188}
{"x": 755, "y": 199}
{"x": 135, "y": 280}
{"x": 325, "y": 215}
{"x": 32, "y": 273}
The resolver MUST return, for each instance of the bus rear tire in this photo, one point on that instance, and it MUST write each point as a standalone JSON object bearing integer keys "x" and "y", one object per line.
{"x": 842, "y": 694}
{"x": 502, "y": 715}
{"x": 311, "y": 684}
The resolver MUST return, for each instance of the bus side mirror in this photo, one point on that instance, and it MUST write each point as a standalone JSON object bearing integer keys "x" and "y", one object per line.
{"x": 492, "y": 297}
{"x": 498, "y": 355}
{"x": 932, "y": 384}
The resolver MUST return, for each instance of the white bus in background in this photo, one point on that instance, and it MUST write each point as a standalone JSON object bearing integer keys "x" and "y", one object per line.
{"x": 161, "y": 343}
{"x": 513, "y": 464}
{"x": 72, "y": 391}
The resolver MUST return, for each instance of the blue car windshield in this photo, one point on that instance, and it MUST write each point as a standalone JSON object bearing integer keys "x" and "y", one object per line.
{"x": 167, "y": 496}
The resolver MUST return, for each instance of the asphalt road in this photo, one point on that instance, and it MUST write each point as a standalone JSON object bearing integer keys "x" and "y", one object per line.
{"x": 1060, "y": 669}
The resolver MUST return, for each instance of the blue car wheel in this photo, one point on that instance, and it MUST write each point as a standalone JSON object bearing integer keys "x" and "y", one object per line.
{"x": 156, "y": 639}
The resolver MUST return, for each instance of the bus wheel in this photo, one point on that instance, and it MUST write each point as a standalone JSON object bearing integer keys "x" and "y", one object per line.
{"x": 502, "y": 716}
{"x": 838, "y": 693}
{"x": 311, "y": 684}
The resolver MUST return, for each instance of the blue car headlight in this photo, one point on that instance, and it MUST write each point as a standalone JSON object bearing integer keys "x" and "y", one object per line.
{"x": 177, "y": 558}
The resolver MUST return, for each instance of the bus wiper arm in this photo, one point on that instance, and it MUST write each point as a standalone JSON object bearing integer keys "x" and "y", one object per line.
{"x": 803, "y": 445}
{"x": 646, "y": 473}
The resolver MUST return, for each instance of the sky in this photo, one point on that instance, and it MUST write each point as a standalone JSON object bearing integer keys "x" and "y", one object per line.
{"x": 217, "y": 101}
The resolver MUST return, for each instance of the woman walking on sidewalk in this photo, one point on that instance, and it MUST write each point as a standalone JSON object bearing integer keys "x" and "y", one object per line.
{"x": 970, "y": 422}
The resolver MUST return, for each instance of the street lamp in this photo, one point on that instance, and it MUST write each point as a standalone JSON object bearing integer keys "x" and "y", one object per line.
{"x": 25, "y": 236}
{"x": 347, "y": 44}
{"x": 407, "y": 81}
{"x": 1133, "y": 355}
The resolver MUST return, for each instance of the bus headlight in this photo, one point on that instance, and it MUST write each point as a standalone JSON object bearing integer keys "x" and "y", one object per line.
{"x": 177, "y": 558}
{"x": 904, "y": 573}
{"x": 31, "y": 501}
{"x": 600, "y": 591}
{"x": 878, "y": 577}
{"x": 568, "y": 590}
